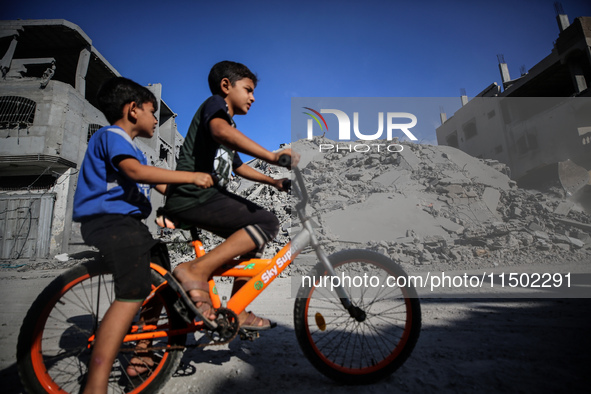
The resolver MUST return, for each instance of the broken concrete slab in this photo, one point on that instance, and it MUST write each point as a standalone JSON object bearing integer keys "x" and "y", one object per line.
{"x": 450, "y": 226}
{"x": 393, "y": 176}
{"x": 573, "y": 223}
{"x": 411, "y": 159}
{"x": 380, "y": 217}
{"x": 491, "y": 198}
{"x": 563, "y": 208}
{"x": 454, "y": 178}
{"x": 576, "y": 242}
{"x": 474, "y": 169}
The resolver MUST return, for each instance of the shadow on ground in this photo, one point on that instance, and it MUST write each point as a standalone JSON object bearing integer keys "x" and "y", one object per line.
{"x": 485, "y": 346}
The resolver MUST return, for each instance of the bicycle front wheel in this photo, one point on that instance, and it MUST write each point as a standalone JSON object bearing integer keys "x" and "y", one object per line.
{"x": 367, "y": 348}
{"x": 54, "y": 343}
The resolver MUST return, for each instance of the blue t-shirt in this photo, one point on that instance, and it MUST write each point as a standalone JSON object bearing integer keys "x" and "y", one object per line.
{"x": 102, "y": 188}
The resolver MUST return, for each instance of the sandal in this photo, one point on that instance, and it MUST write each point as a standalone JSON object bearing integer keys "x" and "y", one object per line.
{"x": 255, "y": 323}
{"x": 203, "y": 311}
{"x": 142, "y": 361}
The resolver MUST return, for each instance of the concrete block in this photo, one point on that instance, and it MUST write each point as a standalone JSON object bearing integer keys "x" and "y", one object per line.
{"x": 541, "y": 235}
{"x": 576, "y": 242}
{"x": 491, "y": 198}
{"x": 450, "y": 226}
{"x": 410, "y": 158}
{"x": 535, "y": 227}
{"x": 563, "y": 208}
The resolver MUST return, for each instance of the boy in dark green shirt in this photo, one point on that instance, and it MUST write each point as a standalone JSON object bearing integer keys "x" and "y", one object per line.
{"x": 210, "y": 146}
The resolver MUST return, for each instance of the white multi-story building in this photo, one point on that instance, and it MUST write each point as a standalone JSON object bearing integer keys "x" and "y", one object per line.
{"x": 535, "y": 121}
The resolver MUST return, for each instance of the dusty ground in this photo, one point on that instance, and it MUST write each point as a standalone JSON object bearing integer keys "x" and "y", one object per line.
{"x": 466, "y": 345}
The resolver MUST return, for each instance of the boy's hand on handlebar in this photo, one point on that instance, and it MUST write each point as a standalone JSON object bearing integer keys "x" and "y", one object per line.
{"x": 281, "y": 184}
{"x": 203, "y": 180}
{"x": 295, "y": 157}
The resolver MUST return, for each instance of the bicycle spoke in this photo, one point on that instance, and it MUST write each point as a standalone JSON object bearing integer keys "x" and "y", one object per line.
{"x": 54, "y": 348}
{"x": 358, "y": 349}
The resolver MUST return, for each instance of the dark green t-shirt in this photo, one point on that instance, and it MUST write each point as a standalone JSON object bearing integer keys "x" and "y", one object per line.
{"x": 200, "y": 152}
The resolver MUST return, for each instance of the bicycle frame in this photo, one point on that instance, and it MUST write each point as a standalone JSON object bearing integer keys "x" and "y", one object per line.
{"x": 262, "y": 272}
{"x": 355, "y": 349}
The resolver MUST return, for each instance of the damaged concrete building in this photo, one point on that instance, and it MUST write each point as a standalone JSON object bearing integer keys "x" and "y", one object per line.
{"x": 538, "y": 120}
{"x": 50, "y": 76}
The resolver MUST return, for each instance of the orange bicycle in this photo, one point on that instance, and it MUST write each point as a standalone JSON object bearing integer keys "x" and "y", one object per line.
{"x": 351, "y": 331}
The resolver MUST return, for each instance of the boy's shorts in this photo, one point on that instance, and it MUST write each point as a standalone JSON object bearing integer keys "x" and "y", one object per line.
{"x": 125, "y": 243}
{"x": 225, "y": 213}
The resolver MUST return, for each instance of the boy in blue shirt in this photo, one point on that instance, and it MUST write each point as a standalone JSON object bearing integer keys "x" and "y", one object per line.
{"x": 210, "y": 146}
{"x": 111, "y": 199}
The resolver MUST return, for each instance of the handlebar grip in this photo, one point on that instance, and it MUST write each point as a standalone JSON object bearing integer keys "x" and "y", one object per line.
{"x": 284, "y": 161}
{"x": 287, "y": 184}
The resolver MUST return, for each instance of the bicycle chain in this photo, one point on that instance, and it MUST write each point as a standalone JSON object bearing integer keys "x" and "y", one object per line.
{"x": 227, "y": 328}
{"x": 227, "y": 325}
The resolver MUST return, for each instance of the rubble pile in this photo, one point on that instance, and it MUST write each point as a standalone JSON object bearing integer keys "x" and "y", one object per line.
{"x": 426, "y": 205}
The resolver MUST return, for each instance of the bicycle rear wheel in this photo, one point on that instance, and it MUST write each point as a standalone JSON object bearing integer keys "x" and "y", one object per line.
{"x": 54, "y": 341}
{"x": 340, "y": 346}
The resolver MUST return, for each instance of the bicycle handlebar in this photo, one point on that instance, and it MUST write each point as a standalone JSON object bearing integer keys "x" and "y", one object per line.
{"x": 284, "y": 161}
{"x": 287, "y": 184}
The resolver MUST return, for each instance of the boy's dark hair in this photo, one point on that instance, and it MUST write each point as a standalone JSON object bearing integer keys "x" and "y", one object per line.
{"x": 231, "y": 70}
{"x": 118, "y": 91}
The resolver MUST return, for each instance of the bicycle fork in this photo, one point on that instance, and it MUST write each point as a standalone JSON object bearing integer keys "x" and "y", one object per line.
{"x": 354, "y": 311}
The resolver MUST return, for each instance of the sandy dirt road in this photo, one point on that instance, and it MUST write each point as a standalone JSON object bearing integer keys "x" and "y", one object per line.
{"x": 466, "y": 346}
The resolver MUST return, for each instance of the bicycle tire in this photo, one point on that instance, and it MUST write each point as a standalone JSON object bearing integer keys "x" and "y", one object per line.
{"x": 339, "y": 346}
{"x": 53, "y": 344}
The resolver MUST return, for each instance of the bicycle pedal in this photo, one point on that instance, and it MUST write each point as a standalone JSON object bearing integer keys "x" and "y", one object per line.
{"x": 248, "y": 335}
{"x": 182, "y": 310}
{"x": 186, "y": 308}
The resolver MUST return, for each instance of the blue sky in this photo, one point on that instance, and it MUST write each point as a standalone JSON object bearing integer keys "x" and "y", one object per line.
{"x": 312, "y": 48}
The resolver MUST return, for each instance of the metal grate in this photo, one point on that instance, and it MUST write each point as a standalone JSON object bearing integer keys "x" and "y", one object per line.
{"x": 16, "y": 111}
{"x": 92, "y": 128}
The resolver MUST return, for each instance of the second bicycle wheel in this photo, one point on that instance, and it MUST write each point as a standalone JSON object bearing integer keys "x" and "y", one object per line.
{"x": 364, "y": 350}
{"x": 54, "y": 343}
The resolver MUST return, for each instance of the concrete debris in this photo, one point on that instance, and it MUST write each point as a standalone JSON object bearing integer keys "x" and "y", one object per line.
{"x": 62, "y": 257}
{"x": 431, "y": 205}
